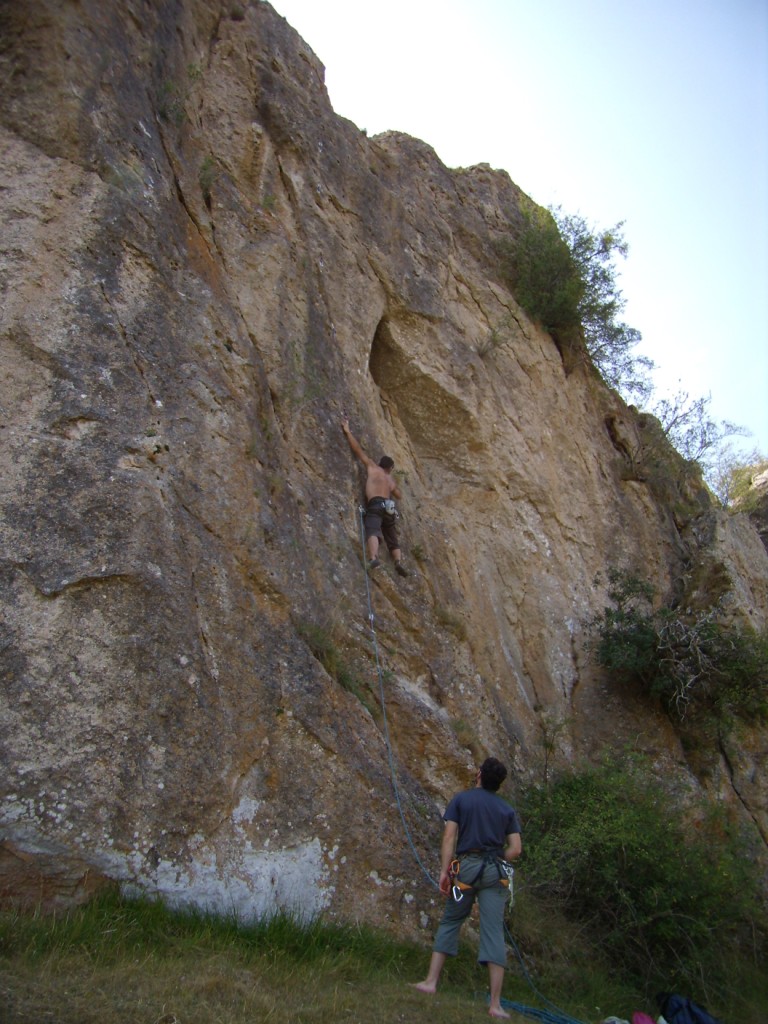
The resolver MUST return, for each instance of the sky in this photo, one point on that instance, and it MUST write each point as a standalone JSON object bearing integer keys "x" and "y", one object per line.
{"x": 652, "y": 113}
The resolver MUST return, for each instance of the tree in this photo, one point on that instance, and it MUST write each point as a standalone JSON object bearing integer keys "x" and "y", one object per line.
{"x": 611, "y": 343}
{"x": 667, "y": 901}
{"x": 563, "y": 274}
{"x": 732, "y": 474}
{"x": 688, "y": 426}
{"x": 690, "y": 658}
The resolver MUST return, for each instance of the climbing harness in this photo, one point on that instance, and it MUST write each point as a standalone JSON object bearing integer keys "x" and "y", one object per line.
{"x": 505, "y": 870}
{"x": 385, "y": 505}
{"x": 553, "y": 1016}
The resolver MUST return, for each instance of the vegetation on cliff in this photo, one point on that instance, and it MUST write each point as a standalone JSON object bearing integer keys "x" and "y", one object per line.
{"x": 564, "y": 274}
{"x": 688, "y": 658}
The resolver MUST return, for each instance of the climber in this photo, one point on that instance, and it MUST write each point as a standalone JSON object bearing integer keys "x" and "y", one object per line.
{"x": 380, "y": 513}
{"x": 483, "y": 831}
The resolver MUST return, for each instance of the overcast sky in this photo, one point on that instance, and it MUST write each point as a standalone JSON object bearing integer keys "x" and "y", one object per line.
{"x": 652, "y": 113}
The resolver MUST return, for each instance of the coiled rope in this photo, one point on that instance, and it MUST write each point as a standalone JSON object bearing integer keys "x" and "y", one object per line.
{"x": 553, "y": 1016}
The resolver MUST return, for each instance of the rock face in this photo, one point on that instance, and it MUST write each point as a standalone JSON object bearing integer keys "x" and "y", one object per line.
{"x": 203, "y": 268}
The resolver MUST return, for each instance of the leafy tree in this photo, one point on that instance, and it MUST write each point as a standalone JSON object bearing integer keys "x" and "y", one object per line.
{"x": 623, "y": 637}
{"x": 562, "y": 272}
{"x": 611, "y": 343}
{"x": 543, "y": 272}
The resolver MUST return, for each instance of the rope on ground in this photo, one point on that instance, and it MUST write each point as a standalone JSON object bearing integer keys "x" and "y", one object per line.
{"x": 390, "y": 754}
{"x": 553, "y": 1016}
{"x": 543, "y": 1015}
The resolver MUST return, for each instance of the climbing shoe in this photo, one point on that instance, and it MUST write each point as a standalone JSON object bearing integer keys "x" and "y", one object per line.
{"x": 401, "y": 570}
{"x": 374, "y": 563}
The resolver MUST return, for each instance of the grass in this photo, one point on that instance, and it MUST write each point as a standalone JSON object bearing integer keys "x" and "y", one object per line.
{"x": 323, "y": 646}
{"x": 451, "y": 620}
{"x": 136, "y": 961}
{"x": 118, "y": 961}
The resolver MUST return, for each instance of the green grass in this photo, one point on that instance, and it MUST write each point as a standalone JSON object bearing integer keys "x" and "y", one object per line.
{"x": 136, "y": 962}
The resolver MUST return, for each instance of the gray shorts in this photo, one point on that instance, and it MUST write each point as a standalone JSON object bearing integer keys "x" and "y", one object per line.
{"x": 491, "y": 897}
{"x": 378, "y": 523}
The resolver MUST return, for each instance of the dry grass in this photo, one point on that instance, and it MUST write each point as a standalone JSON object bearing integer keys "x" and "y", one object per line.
{"x": 215, "y": 990}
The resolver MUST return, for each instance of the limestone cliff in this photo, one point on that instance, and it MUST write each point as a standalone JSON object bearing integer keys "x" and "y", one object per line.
{"x": 202, "y": 268}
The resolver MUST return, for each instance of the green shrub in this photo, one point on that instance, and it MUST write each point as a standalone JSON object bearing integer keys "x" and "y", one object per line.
{"x": 623, "y": 637}
{"x": 687, "y": 659}
{"x": 665, "y": 900}
{"x": 544, "y": 275}
{"x": 206, "y": 177}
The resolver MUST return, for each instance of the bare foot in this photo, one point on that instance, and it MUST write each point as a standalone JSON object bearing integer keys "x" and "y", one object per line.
{"x": 428, "y": 987}
{"x": 498, "y": 1012}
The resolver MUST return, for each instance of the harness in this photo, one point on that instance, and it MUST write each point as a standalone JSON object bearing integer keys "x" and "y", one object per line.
{"x": 382, "y": 507}
{"x": 505, "y": 871}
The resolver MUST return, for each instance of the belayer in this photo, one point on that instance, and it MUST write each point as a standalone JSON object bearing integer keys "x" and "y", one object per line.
{"x": 380, "y": 512}
{"x": 481, "y": 837}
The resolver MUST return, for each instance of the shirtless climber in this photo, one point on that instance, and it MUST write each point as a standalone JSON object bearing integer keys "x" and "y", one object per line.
{"x": 380, "y": 514}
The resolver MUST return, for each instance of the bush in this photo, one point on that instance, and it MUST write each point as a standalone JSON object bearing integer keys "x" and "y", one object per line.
{"x": 666, "y": 901}
{"x": 688, "y": 660}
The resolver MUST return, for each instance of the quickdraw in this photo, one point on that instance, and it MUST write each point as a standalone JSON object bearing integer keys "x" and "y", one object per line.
{"x": 509, "y": 871}
{"x": 457, "y": 887}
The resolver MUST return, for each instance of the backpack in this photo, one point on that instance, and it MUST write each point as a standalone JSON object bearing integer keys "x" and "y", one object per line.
{"x": 681, "y": 1010}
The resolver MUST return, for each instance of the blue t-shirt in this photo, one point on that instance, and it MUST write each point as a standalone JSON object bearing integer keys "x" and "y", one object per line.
{"x": 484, "y": 820}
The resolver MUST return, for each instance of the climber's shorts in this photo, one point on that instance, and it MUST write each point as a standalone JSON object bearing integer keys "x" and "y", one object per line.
{"x": 379, "y": 523}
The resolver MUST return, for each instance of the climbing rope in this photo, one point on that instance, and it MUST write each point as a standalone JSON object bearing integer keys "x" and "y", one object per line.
{"x": 546, "y": 1016}
{"x": 387, "y": 742}
{"x": 553, "y": 1016}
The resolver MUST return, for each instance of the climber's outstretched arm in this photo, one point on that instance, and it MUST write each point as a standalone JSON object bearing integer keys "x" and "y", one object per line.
{"x": 354, "y": 444}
